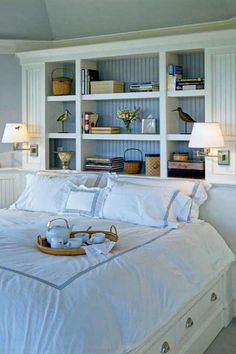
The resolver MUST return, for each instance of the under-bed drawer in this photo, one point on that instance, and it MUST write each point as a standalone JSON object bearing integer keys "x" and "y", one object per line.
{"x": 209, "y": 303}
{"x": 165, "y": 345}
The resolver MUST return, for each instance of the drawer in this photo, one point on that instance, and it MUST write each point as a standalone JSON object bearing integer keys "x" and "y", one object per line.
{"x": 167, "y": 343}
{"x": 206, "y": 305}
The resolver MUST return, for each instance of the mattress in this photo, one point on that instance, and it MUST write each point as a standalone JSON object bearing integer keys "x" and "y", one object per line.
{"x": 99, "y": 304}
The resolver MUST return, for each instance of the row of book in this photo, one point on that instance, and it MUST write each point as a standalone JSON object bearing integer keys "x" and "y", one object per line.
{"x": 109, "y": 164}
{"x": 144, "y": 86}
{"x": 175, "y": 80}
{"x": 88, "y": 75}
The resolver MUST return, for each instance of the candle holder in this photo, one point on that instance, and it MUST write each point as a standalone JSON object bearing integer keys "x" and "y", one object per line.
{"x": 65, "y": 158}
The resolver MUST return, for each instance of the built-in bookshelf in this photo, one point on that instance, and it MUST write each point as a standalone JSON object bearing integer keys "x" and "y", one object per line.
{"x": 128, "y": 68}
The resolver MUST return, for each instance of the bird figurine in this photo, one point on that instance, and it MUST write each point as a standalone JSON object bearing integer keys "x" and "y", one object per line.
{"x": 185, "y": 117}
{"x": 63, "y": 118}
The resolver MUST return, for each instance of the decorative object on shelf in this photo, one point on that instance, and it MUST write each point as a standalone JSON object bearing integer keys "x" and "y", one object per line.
{"x": 184, "y": 117}
{"x": 89, "y": 120}
{"x": 149, "y": 125}
{"x": 65, "y": 158}
{"x": 61, "y": 85}
{"x": 103, "y": 163}
{"x": 152, "y": 164}
{"x": 207, "y": 136}
{"x": 110, "y": 86}
{"x": 17, "y": 133}
{"x": 186, "y": 169}
{"x": 128, "y": 116}
{"x": 105, "y": 130}
{"x": 63, "y": 118}
{"x": 132, "y": 166}
{"x": 180, "y": 156}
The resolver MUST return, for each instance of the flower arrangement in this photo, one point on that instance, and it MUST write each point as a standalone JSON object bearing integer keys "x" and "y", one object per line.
{"x": 128, "y": 116}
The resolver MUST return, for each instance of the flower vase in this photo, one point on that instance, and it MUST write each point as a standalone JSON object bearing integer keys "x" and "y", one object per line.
{"x": 127, "y": 128}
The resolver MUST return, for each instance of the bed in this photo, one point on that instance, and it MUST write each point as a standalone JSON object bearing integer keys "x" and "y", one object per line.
{"x": 159, "y": 290}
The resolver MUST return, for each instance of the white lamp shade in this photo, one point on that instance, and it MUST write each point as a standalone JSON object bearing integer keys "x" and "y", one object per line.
{"x": 15, "y": 133}
{"x": 206, "y": 135}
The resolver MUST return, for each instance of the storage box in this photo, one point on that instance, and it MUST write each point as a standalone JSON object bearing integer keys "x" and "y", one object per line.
{"x": 152, "y": 164}
{"x": 187, "y": 169}
{"x": 110, "y": 86}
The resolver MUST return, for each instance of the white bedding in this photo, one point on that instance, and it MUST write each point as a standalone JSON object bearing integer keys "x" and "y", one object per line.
{"x": 99, "y": 304}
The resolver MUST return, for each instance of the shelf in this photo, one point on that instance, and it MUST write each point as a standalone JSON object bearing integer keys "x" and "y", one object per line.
{"x": 186, "y": 93}
{"x": 121, "y": 96}
{"x": 138, "y": 137}
{"x": 178, "y": 137}
{"x": 66, "y": 98}
{"x": 61, "y": 135}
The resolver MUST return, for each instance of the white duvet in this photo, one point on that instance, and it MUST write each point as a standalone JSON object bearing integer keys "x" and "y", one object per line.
{"x": 99, "y": 304}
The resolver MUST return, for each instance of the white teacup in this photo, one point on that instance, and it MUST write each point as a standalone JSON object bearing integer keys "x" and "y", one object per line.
{"x": 83, "y": 237}
{"x": 97, "y": 238}
{"x": 74, "y": 243}
{"x": 57, "y": 242}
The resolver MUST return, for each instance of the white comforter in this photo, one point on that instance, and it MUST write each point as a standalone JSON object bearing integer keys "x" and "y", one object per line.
{"x": 99, "y": 304}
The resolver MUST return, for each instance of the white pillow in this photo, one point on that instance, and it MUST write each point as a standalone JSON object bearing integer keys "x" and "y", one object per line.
{"x": 44, "y": 193}
{"x": 196, "y": 190}
{"x": 86, "y": 201}
{"x": 144, "y": 205}
{"x": 76, "y": 178}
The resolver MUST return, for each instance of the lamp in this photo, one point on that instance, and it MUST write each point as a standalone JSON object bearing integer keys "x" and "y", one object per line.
{"x": 207, "y": 136}
{"x": 17, "y": 133}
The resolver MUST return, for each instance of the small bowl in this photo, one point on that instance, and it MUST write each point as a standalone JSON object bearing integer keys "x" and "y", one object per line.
{"x": 98, "y": 238}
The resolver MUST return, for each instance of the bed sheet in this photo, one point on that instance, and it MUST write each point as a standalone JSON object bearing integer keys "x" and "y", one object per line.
{"x": 99, "y": 304}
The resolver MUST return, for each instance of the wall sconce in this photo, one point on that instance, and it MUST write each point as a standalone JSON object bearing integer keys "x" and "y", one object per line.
{"x": 207, "y": 136}
{"x": 17, "y": 133}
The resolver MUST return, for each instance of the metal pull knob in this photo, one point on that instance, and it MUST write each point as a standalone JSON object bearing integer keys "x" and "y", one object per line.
{"x": 189, "y": 323}
{"x": 165, "y": 348}
{"x": 214, "y": 297}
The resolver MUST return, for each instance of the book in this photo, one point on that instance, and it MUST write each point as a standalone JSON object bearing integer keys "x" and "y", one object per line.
{"x": 89, "y": 120}
{"x": 189, "y": 87}
{"x": 104, "y": 163}
{"x": 191, "y": 79}
{"x": 105, "y": 130}
{"x": 175, "y": 72}
{"x": 144, "y": 86}
{"x": 88, "y": 75}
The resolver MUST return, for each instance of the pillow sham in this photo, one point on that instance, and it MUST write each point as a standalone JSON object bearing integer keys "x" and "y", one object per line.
{"x": 86, "y": 201}
{"x": 44, "y": 193}
{"x": 144, "y": 205}
{"x": 196, "y": 190}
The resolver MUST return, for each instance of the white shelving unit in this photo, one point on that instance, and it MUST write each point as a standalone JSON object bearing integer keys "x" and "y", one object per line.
{"x": 134, "y": 64}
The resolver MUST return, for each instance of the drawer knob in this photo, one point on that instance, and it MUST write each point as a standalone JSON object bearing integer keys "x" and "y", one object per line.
{"x": 214, "y": 297}
{"x": 165, "y": 348}
{"x": 189, "y": 323}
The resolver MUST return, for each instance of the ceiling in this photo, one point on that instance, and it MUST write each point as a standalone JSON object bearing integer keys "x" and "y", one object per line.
{"x": 67, "y": 19}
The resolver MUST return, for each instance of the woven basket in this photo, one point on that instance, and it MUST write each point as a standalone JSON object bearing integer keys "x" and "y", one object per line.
{"x": 132, "y": 166}
{"x": 152, "y": 164}
{"x": 61, "y": 85}
{"x": 180, "y": 156}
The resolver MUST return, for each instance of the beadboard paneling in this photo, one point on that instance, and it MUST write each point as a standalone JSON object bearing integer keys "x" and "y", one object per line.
{"x": 223, "y": 92}
{"x": 9, "y": 190}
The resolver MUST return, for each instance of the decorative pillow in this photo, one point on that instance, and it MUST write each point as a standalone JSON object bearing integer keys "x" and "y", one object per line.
{"x": 76, "y": 178}
{"x": 86, "y": 201}
{"x": 44, "y": 193}
{"x": 144, "y": 205}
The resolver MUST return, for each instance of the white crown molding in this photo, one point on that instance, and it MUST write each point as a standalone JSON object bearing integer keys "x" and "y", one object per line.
{"x": 12, "y": 46}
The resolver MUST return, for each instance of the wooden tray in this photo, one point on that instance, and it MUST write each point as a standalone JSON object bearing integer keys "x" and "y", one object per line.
{"x": 44, "y": 246}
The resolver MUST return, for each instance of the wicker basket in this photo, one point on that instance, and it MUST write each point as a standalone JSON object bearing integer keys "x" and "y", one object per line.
{"x": 180, "y": 156}
{"x": 132, "y": 166}
{"x": 152, "y": 164}
{"x": 61, "y": 85}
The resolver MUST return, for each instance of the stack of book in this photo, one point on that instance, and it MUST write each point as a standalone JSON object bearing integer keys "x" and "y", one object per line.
{"x": 175, "y": 72}
{"x": 100, "y": 163}
{"x": 105, "y": 130}
{"x": 88, "y": 75}
{"x": 195, "y": 83}
{"x": 89, "y": 121}
{"x": 144, "y": 86}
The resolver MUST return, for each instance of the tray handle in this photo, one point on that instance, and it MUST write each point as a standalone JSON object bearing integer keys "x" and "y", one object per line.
{"x": 113, "y": 229}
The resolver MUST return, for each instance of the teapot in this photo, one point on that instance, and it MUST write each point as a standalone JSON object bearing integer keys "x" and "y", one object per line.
{"x": 58, "y": 231}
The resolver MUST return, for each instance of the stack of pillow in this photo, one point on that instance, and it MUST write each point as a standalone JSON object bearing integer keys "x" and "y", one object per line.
{"x": 161, "y": 203}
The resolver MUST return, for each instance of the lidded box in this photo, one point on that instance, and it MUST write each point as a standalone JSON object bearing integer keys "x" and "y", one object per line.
{"x": 152, "y": 164}
{"x": 110, "y": 86}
